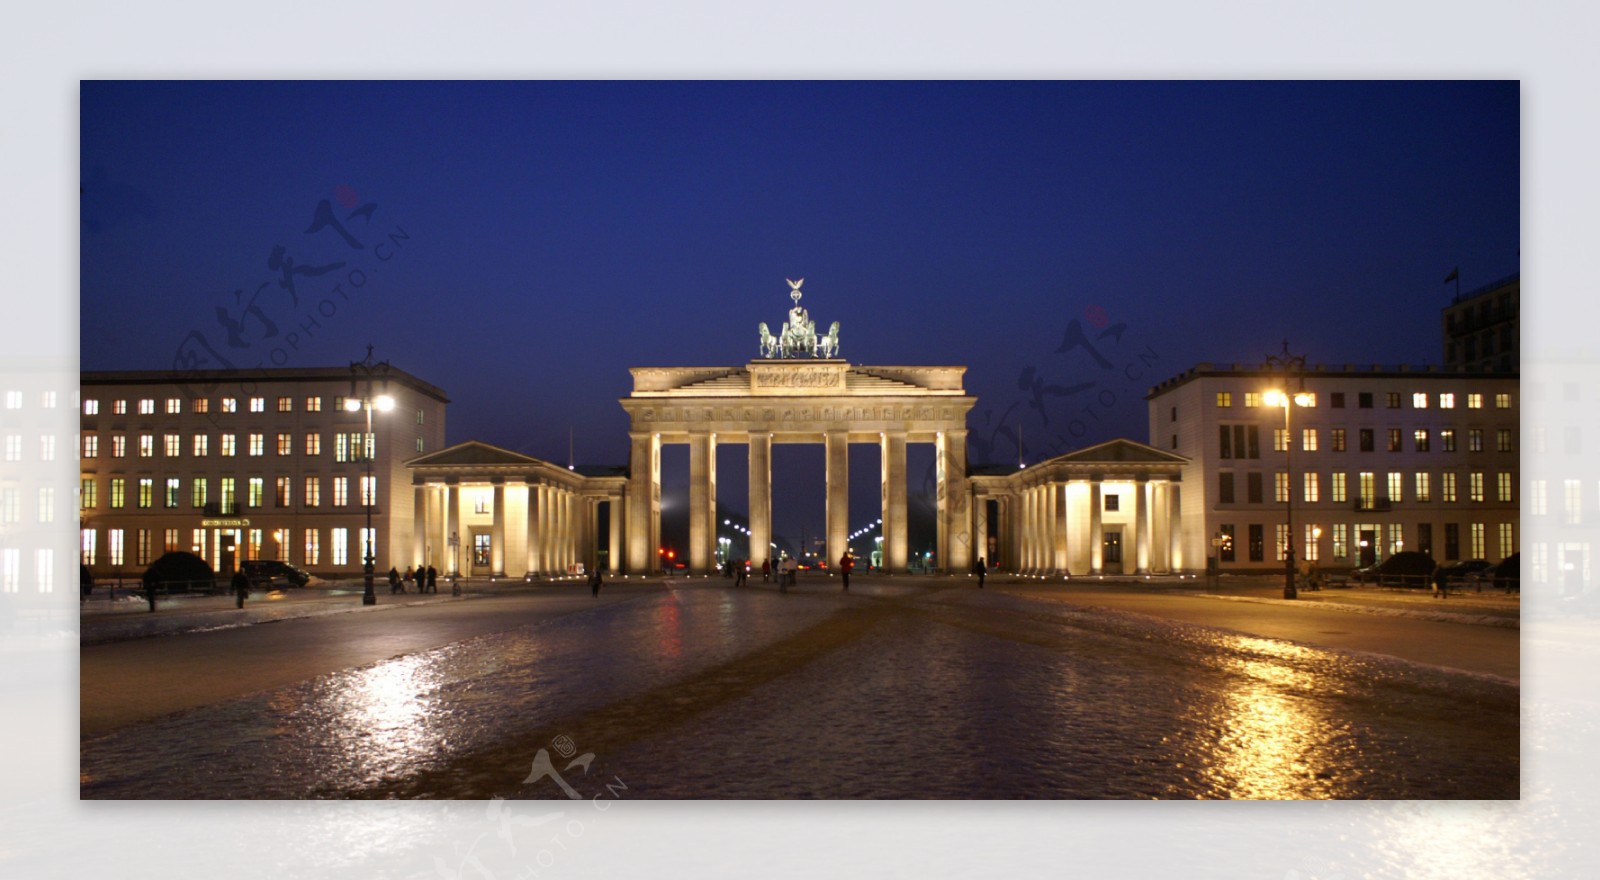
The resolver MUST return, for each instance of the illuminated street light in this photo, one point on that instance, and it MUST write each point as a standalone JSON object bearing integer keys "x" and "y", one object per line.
{"x": 1281, "y": 397}
{"x": 369, "y": 368}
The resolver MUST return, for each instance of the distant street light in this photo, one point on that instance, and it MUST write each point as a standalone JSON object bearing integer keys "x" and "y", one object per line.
{"x": 1283, "y": 398}
{"x": 369, "y": 368}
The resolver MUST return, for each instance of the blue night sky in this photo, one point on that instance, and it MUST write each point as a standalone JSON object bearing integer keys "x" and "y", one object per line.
{"x": 559, "y": 233}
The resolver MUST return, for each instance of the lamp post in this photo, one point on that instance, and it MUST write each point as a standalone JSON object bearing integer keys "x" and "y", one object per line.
{"x": 368, "y": 368}
{"x": 1283, "y": 397}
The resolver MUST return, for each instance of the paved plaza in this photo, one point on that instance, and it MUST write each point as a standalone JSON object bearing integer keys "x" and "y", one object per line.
{"x": 905, "y": 687}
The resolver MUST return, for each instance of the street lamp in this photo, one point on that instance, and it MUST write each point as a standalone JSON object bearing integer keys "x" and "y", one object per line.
{"x": 1288, "y": 402}
{"x": 369, "y": 368}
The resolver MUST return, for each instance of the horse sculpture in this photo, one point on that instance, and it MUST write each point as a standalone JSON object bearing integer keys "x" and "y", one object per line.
{"x": 828, "y": 346}
{"x": 769, "y": 343}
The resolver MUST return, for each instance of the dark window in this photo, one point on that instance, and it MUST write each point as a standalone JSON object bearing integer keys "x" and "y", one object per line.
{"x": 1394, "y": 439}
{"x": 1174, "y": 441}
{"x": 1364, "y": 399}
{"x": 1112, "y": 548}
{"x": 1225, "y": 552}
{"x": 1225, "y": 487}
{"x": 1393, "y": 399}
{"x": 1336, "y": 439}
{"x": 1226, "y": 439}
{"x": 1174, "y": 414}
{"x": 1252, "y": 488}
{"x": 1336, "y": 400}
{"x": 1366, "y": 439}
{"x": 1425, "y": 538}
{"x": 1258, "y": 544}
{"x": 1452, "y": 541}
{"x": 1112, "y": 502}
{"x": 1253, "y": 435}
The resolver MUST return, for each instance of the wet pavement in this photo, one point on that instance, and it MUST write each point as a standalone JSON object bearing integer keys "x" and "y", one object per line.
{"x": 904, "y": 688}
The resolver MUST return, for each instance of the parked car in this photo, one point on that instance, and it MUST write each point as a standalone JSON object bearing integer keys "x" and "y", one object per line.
{"x": 1507, "y": 574}
{"x": 1408, "y": 568}
{"x": 181, "y": 572}
{"x": 1468, "y": 574}
{"x": 266, "y": 572}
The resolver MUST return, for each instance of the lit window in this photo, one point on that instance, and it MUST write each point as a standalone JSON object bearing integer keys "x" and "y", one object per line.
{"x": 119, "y": 446}
{"x": 1280, "y": 486}
{"x": 147, "y": 445}
{"x": 1252, "y": 398}
{"x": 230, "y": 405}
{"x": 282, "y": 494}
{"x": 87, "y": 546}
{"x": 1341, "y": 541}
{"x": 1474, "y": 401}
{"x": 1420, "y": 439}
{"x": 119, "y": 492}
{"x": 313, "y": 493}
{"x": 229, "y": 445}
{"x": 13, "y": 400}
{"x": 172, "y": 445}
{"x": 174, "y": 406}
{"x": 1502, "y": 440}
{"x": 174, "y": 489}
{"x": 1503, "y": 486}
{"x": 285, "y": 444}
{"x": 1336, "y": 439}
{"x": 1308, "y": 439}
{"x": 47, "y": 504}
{"x": 1424, "y": 490}
{"x": 340, "y": 546}
{"x": 1366, "y": 485}
{"x": 147, "y": 407}
{"x": 91, "y": 407}
{"x": 147, "y": 492}
{"x": 86, "y": 493}
{"x": 1447, "y": 439}
{"x": 368, "y": 495}
{"x": 1502, "y": 401}
{"x": 202, "y": 445}
{"x": 1312, "y": 490}
{"x": 1392, "y": 399}
{"x": 1280, "y": 439}
{"x": 257, "y": 444}
{"x": 1447, "y": 400}
{"x": 313, "y": 404}
{"x": 1508, "y": 539}
{"x": 285, "y": 404}
{"x": 1447, "y": 487}
{"x": 255, "y": 489}
{"x": 197, "y": 492}
{"x": 1419, "y": 400}
{"x": 91, "y": 445}
{"x": 313, "y": 548}
{"x": 1312, "y": 551}
{"x": 119, "y": 407}
{"x": 1224, "y": 399}
{"x": 1477, "y": 540}
{"x": 1336, "y": 488}
{"x": 47, "y": 399}
{"x": 258, "y": 404}
{"x": 313, "y": 444}
{"x": 114, "y": 544}
{"x": 1396, "y": 487}
{"x": 200, "y": 405}
{"x": 341, "y": 491}
{"x": 1475, "y": 486}
{"x": 1394, "y": 440}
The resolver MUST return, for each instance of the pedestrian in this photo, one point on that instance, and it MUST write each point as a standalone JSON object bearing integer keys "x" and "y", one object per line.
{"x": 1438, "y": 582}
{"x": 594, "y": 582}
{"x": 433, "y": 579}
{"x": 766, "y": 570}
{"x": 241, "y": 587}
{"x": 394, "y": 580}
{"x": 980, "y": 568}
{"x": 741, "y": 572}
{"x": 846, "y": 562}
{"x": 150, "y": 589}
{"x": 783, "y": 574}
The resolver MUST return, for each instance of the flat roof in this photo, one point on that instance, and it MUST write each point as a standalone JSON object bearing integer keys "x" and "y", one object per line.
{"x": 241, "y": 377}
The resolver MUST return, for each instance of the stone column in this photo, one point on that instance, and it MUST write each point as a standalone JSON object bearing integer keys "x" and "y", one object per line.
{"x": 957, "y": 495}
{"x": 452, "y": 526}
{"x": 644, "y": 490}
{"x": 1174, "y": 529}
{"x": 980, "y": 531}
{"x": 1025, "y": 527}
{"x": 1058, "y": 527}
{"x": 1096, "y": 533}
{"x": 702, "y": 506}
{"x": 760, "y": 498}
{"x": 535, "y": 533}
{"x": 497, "y": 532}
{"x": 614, "y": 545}
{"x": 419, "y": 522}
{"x": 837, "y": 479}
{"x": 1141, "y": 526}
{"x": 564, "y": 528}
{"x": 894, "y": 502}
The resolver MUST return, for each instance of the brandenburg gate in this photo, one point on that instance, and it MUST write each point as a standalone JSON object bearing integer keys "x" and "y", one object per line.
{"x": 798, "y": 392}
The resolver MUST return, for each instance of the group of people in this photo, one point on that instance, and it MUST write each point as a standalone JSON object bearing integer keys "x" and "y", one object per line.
{"x": 426, "y": 579}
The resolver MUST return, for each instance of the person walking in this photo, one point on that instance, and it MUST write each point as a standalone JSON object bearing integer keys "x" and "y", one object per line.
{"x": 783, "y": 574}
{"x": 741, "y": 572}
{"x": 594, "y": 582}
{"x": 150, "y": 586}
{"x": 433, "y": 579}
{"x": 241, "y": 587}
{"x": 980, "y": 568}
{"x": 394, "y": 580}
{"x": 846, "y": 563}
{"x": 766, "y": 570}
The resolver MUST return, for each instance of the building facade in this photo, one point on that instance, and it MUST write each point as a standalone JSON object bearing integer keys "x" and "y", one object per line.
{"x": 1380, "y": 460}
{"x": 1481, "y": 328}
{"x": 261, "y": 464}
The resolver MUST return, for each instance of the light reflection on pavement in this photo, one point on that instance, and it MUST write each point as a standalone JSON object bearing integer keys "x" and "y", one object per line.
{"x": 897, "y": 690}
